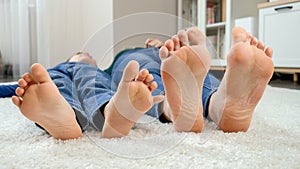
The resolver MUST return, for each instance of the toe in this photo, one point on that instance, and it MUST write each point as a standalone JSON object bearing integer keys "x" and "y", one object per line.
{"x": 183, "y": 38}
{"x": 20, "y": 91}
{"x": 269, "y": 51}
{"x": 152, "y": 86}
{"x": 130, "y": 71}
{"x": 163, "y": 52}
{"x": 158, "y": 99}
{"x": 142, "y": 75}
{"x": 253, "y": 41}
{"x": 39, "y": 73}
{"x": 16, "y": 101}
{"x": 149, "y": 78}
{"x": 261, "y": 46}
{"x": 28, "y": 78}
{"x": 239, "y": 34}
{"x": 176, "y": 42}
{"x": 22, "y": 83}
{"x": 195, "y": 36}
{"x": 169, "y": 44}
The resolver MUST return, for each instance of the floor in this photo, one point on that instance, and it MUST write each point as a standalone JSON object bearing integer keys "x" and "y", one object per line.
{"x": 284, "y": 81}
{"x": 278, "y": 80}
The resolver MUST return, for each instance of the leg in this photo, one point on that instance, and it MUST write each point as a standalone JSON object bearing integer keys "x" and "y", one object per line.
{"x": 249, "y": 69}
{"x": 8, "y": 90}
{"x": 183, "y": 71}
{"x": 92, "y": 88}
{"x": 132, "y": 99}
{"x": 40, "y": 101}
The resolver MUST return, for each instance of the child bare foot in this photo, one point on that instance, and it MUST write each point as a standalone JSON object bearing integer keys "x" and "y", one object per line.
{"x": 40, "y": 101}
{"x": 183, "y": 71}
{"x": 132, "y": 99}
{"x": 249, "y": 69}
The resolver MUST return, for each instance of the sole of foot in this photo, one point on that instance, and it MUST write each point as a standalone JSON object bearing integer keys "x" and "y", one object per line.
{"x": 249, "y": 69}
{"x": 185, "y": 63}
{"x": 39, "y": 100}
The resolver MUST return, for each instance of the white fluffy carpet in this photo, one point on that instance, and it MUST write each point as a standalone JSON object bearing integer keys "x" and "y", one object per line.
{"x": 273, "y": 141}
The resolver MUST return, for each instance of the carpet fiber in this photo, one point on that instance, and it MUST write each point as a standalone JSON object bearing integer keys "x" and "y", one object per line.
{"x": 273, "y": 141}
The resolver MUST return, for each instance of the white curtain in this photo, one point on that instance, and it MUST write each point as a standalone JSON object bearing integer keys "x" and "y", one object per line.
{"x": 22, "y": 41}
{"x": 42, "y": 32}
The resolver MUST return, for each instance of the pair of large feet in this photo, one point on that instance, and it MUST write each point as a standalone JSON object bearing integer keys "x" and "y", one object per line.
{"x": 184, "y": 67}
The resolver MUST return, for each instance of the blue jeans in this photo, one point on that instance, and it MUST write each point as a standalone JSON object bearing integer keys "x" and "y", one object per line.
{"x": 87, "y": 88}
{"x": 8, "y": 90}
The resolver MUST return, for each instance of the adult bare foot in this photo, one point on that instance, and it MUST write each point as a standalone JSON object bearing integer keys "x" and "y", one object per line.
{"x": 40, "y": 101}
{"x": 183, "y": 71}
{"x": 249, "y": 69}
{"x": 132, "y": 99}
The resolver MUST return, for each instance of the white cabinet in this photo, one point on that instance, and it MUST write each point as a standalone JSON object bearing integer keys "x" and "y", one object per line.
{"x": 279, "y": 27}
{"x": 195, "y": 13}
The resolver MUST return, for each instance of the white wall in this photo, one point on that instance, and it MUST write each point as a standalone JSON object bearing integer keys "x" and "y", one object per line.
{"x": 132, "y": 30}
{"x": 65, "y": 29}
{"x": 72, "y": 22}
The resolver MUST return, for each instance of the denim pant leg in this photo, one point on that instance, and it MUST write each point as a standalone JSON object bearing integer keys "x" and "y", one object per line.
{"x": 86, "y": 88}
{"x": 8, "y": 90}
{"x": 62, "y": 77}
{"x": 210, "y": 86}
{"x": 148, "y": 58}
{"x": 93, "y": 87}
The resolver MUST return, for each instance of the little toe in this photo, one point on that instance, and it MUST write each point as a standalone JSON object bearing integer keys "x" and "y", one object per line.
{"x": 16, "y": 100}
{"x": 269, "y": 51}
{"x": 183, "y": 38}
{"x": 158, "y": 99}
{"x": 152, "y": 86}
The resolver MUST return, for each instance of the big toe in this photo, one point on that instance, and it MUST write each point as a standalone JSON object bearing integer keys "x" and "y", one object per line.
{"x": 131, "y": 71}
{"x": 39, "y": 73}
{"x": 239, "y": 34}
{"x": 196, "y": 36}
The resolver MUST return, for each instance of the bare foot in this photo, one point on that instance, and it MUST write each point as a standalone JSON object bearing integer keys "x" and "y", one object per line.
{"x": 132, "y": 99}
{"x": 249, "y": 69}
{"x": 40, "y": 101}
{"x": 183, "y": 70}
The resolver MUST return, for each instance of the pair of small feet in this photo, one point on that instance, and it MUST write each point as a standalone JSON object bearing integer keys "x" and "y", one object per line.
{"x": 184, "y": 67}
{"x": 40, "y": 101}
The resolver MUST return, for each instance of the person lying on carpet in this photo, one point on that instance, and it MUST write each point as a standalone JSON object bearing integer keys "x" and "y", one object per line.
{"x": 171, "y": 82}
{"x": 8, "y": 90}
